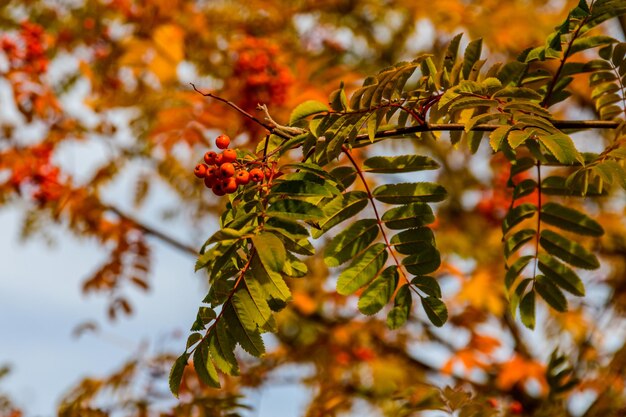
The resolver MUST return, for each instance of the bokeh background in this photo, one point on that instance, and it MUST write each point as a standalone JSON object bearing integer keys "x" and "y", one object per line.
{"x": 100, "y": 214}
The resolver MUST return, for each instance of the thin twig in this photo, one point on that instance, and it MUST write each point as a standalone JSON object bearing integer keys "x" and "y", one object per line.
{"x": 555, "y": 79}
{"x": 268, "y": 127}
{"x": 153, "y": 232}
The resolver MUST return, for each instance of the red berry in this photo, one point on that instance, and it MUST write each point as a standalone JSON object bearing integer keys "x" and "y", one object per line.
{"x": 230, "y": 185}
{"x": 200, "y": 170}
{"x": 227, "y": 170}
{"x": 209, "y": 181}
{"x": 222, "y": 141}
{"x": 229, "y": 155}
{"x": 493, "y": 402}
{"x": 516, "y": 407}
{"x": 218, "y": 188}
{"x": 209, "y": 157}
{"x": 219, "y": 159}
{"x": 242, "y": 177}
{"x": 256, "y": 175}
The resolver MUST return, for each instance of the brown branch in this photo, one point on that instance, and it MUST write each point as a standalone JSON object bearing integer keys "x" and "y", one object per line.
{"x": 432, "y": 127}
{"x": 153, "y": 232}
{"x": 270, "y": 128}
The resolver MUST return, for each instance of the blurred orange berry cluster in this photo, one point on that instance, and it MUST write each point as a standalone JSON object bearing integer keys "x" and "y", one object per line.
{"x": 496, "y": 200}
{"x": 26, "y": 52}
{"x": 34, "y": 171}
{"x": 265, "y": 79}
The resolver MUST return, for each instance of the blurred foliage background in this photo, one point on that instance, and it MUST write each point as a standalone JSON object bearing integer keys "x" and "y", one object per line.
{"x": 116, "y": 74}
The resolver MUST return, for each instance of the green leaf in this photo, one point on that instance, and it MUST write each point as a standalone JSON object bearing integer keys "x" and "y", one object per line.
{"x": 474, "y": 139}
{"x": 345, "y": 175}
{"x": 451, "y": 52}
{"x": 561, "y": 275}
{"x": 405, "y": 193}
{"x": 516, "y": 269}
{"x": 521, "y": 165}
{"x": 516, "y": 241}
{"x": 294, "y": 267}
{"x": 205, "y": 316}
{"x": 517, "y": 138}
{"x": 470, "y": 102}
{"x": 517, "y": 295}
{"x": 292, "y": 227}
{"x": 410, "y": 215}
{"x": 524, "y": 188}
{"x": 338, "y": 100}
{"x": 516, "y": 215}
{"x": 472, "y": 55}
{"x": 556, "y": 185}
{"x": 435, "y": 310}
{"x": 339, "y": 209}
{"x": 300, "y": 188}
{"x": 249, "y": 340}
{"x": 550, "y": 293}
{"x": 527, "y": 310}
{"x": 176, "y": 373}
{"x": 428, "y": 285}
{"x": 301, "y": 246}
{"x": 193, "y": 339}
{"x": 350, "y": 241}
{"x": 568, "y": 250}
{"x": 518, "y": 93}
{"x": 308, "y": 108}
{"x": 252, "y": 308}
{"x": 204, "y": 366}
{"x": 228, "y": 234}
{"x": 589, "y": 42}
{"x": 498, "y": 136}
{"x": 271, "y": 251}
{"x": 268, "y": 282}
{"x": 222, "y": 348}
{"x": 424, "y": 262}
{"x": 570, "y": 219}
{"x": 295, "y": 209}
{"x": 225, "y": 265}
{"x": 483, "y": 118}
{"x": 363, "y": 269}
{"x": 413, "y": 240}
{"x": 379, "y": 291}
{"x": 561, "y": 147}
{"x": 401, "y": 163}
{"x": 399, "y": 314}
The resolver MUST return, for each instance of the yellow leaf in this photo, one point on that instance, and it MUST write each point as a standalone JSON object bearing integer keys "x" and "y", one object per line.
{"x": 169, "y": 48}
{"x": 483, "y": 291}
{"x": 519, "y": 370}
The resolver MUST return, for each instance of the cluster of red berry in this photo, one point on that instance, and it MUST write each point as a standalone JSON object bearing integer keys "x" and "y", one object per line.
{"x": 222, "y": 173}
{"x": 34, "y": 171}
{"x": 30, "y": 57}
{"x": 266, "y": 80}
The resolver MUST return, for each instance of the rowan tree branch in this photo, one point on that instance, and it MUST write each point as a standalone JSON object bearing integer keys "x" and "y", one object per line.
{"x": 153, "y": 232}
{"x": 269, "y": 127}
{"x": 432, "y": 127}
